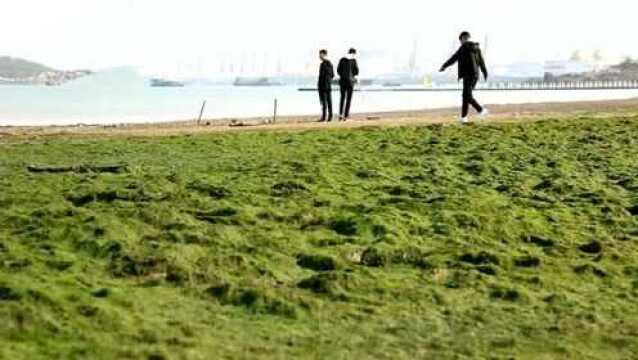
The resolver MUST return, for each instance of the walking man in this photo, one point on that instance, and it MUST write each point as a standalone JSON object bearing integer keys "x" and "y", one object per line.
{"x": 324, "y": 84}
{"x": 470, "y": 60}
{"x": 348, "y": 70}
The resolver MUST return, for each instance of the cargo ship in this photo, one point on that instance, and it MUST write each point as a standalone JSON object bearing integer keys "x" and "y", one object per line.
{"x": 166, "y": 83}
{"x": 360, "y": 82}
{"x": 256, "y": 81}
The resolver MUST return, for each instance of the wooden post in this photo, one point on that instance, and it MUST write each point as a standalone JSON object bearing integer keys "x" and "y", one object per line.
{"x": 201, "y": 113}
{"x": 274, "y": 116}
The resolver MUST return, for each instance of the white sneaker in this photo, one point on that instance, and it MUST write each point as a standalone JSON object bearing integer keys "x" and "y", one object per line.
{"x": 464, "y": 120}
{"x": 484, "y": 113}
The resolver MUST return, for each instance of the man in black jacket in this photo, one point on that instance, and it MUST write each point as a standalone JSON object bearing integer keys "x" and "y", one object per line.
{"x": 470, "y": 61}
{"x": 348, "y": 70}
{"x": 324, "y": 84}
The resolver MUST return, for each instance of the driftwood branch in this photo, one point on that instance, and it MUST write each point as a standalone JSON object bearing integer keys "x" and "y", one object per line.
{"x": 113, "y": 168}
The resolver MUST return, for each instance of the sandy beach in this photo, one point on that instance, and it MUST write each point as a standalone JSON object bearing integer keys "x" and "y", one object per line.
{"x": 498, "y": 113}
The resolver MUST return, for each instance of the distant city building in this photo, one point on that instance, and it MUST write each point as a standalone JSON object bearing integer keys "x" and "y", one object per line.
{"x": 520, "y": 70}
{"x": 564, "y": 67}
{"x": 580, "y": 62}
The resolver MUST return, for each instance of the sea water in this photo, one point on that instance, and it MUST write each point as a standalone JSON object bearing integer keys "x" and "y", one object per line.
{"x": 123, "y": 96}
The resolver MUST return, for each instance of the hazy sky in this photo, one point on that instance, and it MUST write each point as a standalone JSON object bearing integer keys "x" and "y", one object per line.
{"x": 160, "y": 35}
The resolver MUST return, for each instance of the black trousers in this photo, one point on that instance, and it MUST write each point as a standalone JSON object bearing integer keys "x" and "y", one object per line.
{"x": 346, "y": 99}
{"x": 325, "y": 97}
{"x": 469, "y": 84}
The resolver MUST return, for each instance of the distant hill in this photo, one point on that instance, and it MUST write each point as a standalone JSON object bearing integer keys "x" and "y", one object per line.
{"x": 626, "y": 70}
{"x": 16, "y": 68}
{"x": 16, "y": 71}
{"x": 629, "y": 66}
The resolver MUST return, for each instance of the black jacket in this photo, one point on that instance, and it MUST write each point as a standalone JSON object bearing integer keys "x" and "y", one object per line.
{"x": 348, "y": 69}
{"x": 470, "y": 60}
{"x": 326, "y": 74}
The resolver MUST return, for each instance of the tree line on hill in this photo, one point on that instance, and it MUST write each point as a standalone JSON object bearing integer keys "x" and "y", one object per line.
{"x": 624, "y": 71}
{"x": 16, "y": 71}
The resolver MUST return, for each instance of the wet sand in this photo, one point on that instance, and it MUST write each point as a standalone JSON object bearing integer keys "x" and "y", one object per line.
{"x": 498, "y": 113}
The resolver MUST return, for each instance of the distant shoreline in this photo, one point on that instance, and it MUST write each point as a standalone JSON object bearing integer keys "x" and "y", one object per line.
{"x": 499, "y": 113}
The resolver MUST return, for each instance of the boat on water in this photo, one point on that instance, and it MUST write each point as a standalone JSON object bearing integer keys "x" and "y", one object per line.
{"x": 360, "y": 82}
{"x": 257, "y": 81}
{"x": 166, "y": 83}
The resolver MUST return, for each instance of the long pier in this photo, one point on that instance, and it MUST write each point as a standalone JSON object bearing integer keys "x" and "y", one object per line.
{"x": 509, "y": 86}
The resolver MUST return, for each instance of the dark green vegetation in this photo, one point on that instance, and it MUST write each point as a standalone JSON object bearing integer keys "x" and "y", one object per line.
{"x": 15, "y": 68}
{"x": 499, "y": 241}
{"x": 624, "y": 71}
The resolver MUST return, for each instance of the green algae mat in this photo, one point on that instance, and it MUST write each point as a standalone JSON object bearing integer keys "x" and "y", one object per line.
{"x": 491, "y": 241}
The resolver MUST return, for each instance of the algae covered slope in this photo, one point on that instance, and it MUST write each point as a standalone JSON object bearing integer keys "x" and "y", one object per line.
{"x": 488, "y": 241}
